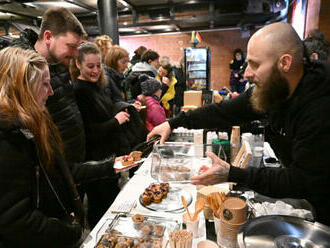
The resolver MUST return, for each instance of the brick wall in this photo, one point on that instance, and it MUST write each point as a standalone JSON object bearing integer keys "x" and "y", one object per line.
{"x": 222, "y": 44}
{"x": 312, "y": 16}
{"x": 324, "y": 18}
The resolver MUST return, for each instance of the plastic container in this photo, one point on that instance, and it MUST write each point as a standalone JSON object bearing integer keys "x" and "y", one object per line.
{"x": 178, "y": 162}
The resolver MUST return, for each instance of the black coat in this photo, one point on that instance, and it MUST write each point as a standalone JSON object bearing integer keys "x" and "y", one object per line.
{"x": 114, "y": 85}
{"x": 104, "y": 134}
{"x": 180, "y": 86}
{"x": 301, "y": 135}
{"x": 64, "y": 110}
{"x": 31, "y": 215}
{"x": 132, "y": 84}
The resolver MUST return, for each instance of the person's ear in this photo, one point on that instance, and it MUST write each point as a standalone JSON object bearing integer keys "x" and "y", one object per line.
{"x": 48, "y": 36}
{"x": 78, "y": 64}
{"x": 149, "y": 61}
{"x": 285, "y": 62}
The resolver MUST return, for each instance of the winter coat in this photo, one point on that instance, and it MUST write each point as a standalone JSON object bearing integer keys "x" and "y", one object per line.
{"x": 180, "y": 86}
{"x": 143, "y": 67}
{"x": 300, "y": 138}
{"x": 64, "y": 110}
{"x": 135, "y": 59}
{"x": 169, "y": 94}
{"x": 114, "y": 85}
{"x": 62, "y": 105}
{"x": 132, "y": 84}
{"x": 155, "y": 112}
{"x": 103, "y": 133}
{"x": 30, "y": 213}
{"x": 237, "y": 84}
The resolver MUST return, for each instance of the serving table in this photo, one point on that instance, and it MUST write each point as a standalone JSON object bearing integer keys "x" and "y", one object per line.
{"x": 127, "y": 201}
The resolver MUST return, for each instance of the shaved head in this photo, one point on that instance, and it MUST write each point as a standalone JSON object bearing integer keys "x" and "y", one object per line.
{"x": 280, "y": 38}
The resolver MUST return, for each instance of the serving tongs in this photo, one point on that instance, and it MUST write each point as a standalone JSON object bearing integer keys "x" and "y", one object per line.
{"x": 147, "y": 146}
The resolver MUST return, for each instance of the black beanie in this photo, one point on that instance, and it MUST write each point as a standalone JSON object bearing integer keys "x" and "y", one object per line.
{"x": 150, "y": 86}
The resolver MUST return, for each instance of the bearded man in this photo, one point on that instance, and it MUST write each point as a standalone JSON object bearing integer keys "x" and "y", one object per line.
{"x": 295, "y": 98}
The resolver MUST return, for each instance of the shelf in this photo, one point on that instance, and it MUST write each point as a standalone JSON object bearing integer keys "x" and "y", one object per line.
{"x": 200, "y": 62}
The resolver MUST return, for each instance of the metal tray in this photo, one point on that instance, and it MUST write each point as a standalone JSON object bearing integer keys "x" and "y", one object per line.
{"x": 283, "y": 231}
{"x": 124, "y": 227}
{"x": 172, "y": 202}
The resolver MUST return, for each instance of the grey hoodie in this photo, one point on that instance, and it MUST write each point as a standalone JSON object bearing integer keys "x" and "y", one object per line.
{"x": 144, "y": 66}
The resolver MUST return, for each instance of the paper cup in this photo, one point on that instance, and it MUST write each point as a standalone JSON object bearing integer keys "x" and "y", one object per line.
{"x": 192, "y": 226}
{"x": 227, "y": 234}
{"x": 208, "y": 212}
{"x": 234, "y": 210}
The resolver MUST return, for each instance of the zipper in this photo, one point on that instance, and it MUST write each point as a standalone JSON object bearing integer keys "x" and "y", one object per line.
{"x": 38, "y": 176}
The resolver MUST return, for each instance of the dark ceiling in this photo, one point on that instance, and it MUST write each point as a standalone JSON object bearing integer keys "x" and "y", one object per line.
{"x": 137, "y": 17}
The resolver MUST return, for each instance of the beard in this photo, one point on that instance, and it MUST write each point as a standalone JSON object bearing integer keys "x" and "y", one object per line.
{"x": 270, "y": 94}
{"x": 54, "y": 60}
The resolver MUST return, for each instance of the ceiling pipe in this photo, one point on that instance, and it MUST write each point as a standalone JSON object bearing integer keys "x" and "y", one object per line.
{"x": 108, "y": 19}
{"x": 81, "y": 4}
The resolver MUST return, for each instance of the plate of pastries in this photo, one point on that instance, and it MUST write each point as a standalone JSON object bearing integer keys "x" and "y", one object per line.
{"x": 129, "y": 161}
{"x": 164, "y": 197}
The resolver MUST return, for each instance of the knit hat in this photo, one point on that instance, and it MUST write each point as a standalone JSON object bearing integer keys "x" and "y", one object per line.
{"x": 150, "y": 86}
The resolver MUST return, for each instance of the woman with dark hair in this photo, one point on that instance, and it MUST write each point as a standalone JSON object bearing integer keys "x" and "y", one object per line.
{"x": 39, "y": 203}
{"x": 138, "y": 54}
{"x": 237, "y": 83}
{"x": 101, "y": 124}
{"x": 110, "y": 128}
{"x": 180, "y": 86}
{"x": 166, "y": 76}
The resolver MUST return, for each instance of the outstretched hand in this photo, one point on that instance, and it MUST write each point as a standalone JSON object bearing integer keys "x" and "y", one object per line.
{"x": 164, "y": 130}
{"x": 218, "y": 173}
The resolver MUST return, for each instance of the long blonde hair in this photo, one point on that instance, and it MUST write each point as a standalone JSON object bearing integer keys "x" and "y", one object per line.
{"x": 20, "y": 75}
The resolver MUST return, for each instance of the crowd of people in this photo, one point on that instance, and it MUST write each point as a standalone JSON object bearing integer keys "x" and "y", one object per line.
{"x": 70, "y": 107}
{"x": 67, "y": 112}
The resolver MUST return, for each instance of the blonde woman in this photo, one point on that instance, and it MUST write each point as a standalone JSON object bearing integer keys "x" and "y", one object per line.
{"x": 39, "y": 204}
{"x": 103, "y": 42}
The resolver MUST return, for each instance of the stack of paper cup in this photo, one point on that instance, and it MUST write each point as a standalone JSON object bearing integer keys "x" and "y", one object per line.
{"x": 233, "y": 216}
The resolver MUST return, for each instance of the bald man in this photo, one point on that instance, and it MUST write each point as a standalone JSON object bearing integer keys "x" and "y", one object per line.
{"x": 295, "y": 98}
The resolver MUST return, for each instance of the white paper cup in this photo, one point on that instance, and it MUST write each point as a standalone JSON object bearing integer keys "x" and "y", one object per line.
{"x": 217, "y": 227}
{"x": 192, "y": 226}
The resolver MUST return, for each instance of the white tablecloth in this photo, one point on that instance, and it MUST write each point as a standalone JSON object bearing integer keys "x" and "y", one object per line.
{"x": 130, "y": 195}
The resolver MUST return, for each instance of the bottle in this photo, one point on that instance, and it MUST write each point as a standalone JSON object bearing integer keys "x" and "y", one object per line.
{"x": 258, "y": 133}
{"x": 259, "y": 137}
{"x": 235, "y": 142}
{"x": 210, "y": 136}
{"x": 257, "y": 156}
{"x": 198, "y": 142}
